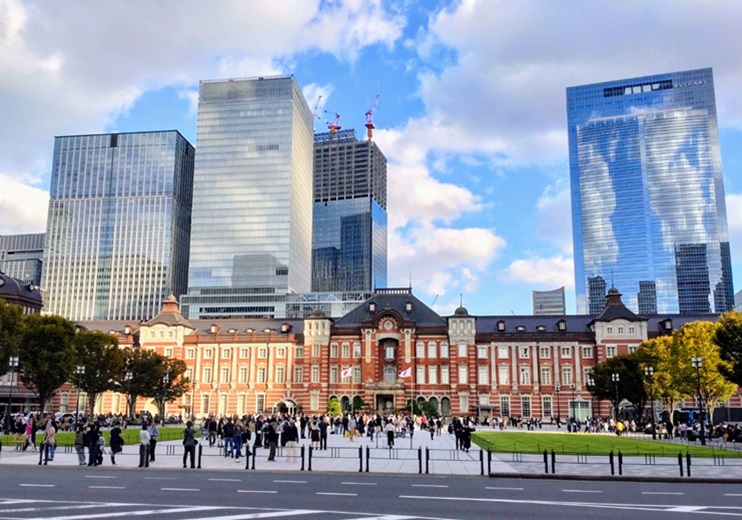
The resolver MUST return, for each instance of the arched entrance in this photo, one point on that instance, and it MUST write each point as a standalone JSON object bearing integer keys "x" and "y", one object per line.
{"x": 345, "y": 403}
{"x": 445, "y": 406}
{"x": 285, "y": 406}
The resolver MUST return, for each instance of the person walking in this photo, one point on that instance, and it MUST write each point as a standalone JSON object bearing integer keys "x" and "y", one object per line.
{"x": 117, "y": 442}
{"x": 352, "y": 427}
{"x": 237, "y": 440}
{"x": 144, "y": 439}
{"x": 189, "y": 445}
{"x": 154, "y": 434}
{"x": 50, "y": 439}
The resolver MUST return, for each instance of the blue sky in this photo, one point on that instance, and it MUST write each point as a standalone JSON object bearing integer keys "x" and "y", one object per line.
{"x": 471, "y": 114}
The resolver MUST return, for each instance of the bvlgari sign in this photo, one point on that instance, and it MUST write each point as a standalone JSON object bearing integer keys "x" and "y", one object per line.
{"x": 690, "y": 84}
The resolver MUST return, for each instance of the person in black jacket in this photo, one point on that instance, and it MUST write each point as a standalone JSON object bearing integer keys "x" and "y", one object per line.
{"x": 291, "y": 435}
{"x": 272, "y": 438}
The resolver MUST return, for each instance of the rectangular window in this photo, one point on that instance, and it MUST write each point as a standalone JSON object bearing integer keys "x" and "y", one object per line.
{"x": 633, "y": 348}
{"x": 432, "y": 375}
{"x": 566, "y": 352}
{"x": 420, "y": 374}
{"x": 620, "y": 331}
{"x": 169, "y": 352}
{"x": 444, "y": 350}
{"x": 241, "y": 408}
{"x": 503, "y": 353}
{"x": 587, "y": 373}
{"x": 261, "y": 375}
{"x": 356, "y": 350}
{"x": 260, "y": 403}
{"x": 333, "y": 374}
{"x": 432, "y": 350}
{"x": 525, "y": 375}
{"x": 482, "y": 352}
{"x": 464, "y": 403}
{"x": 204, "y": 405}
{"x": 524, "y": 352}
{"x": 208, "y": 353}
{"x": 314, "y": 401}
{"x": 190, "y": 353}
{"x": 525, "y": 405}
{"x": 356, "y": 375}
{"x": 316, "y": 350}
{"x": 299, "y": 352}
{"x": 207, "y": 375}
{"x": 505, "y": 405}
{"x": 587, "y": 352}
{"x": 346, "y": 350}
{"x": 484, "y": 399}
{"x": 503, "y": 375}
{"x": 333, "y": 350}
{"x": 262, "y": 352}
{"x": 544, "y": 352}
{"x": 420, "y": 350}
{"x": 545, "y": 375}
{"x": 483, "y": 375}
{"x": 566, "y": 375}
{"x": 189, "y": 375}
{"x": 280, "y": 375}
{"x": 463, "y": 375}
{"x": 632, "y": 330}
{"x": 243, "y": 353}
{"x": 225, "y": 375}
{"x": 298, "y": 374}
{"x": 610, "y": 351}
{"x": 609, "y": 331}
{"x": 462, "y": 350}
{"x": 226, "y": 353}
{"x": 445, "y": 375}
{"x": 546, "y": 406}
{"x": 281, "y": 352}
{"x": 243, "y": 375}
{"x": 315, "y": 373}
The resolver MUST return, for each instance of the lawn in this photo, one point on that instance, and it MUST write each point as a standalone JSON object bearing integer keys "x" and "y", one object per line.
{"x": 588, "y": 443}
{"x": 131, "y": 436}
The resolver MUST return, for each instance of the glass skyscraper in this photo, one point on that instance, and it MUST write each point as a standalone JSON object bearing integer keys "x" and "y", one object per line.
{"x": 119, "y": 224}
{"x": 252, "y": 207}
{"x": 648, "y": 206}
{"x": 349, "y": 241}
{"x": 21, "y": 256}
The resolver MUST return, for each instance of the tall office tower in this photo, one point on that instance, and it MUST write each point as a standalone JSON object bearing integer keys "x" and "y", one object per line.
{"x": 119, "y": 224}
{"x": 252, "y": 206}
{"x": 349, "y": 239}
{"x": 21, "y": 256}
{"x": 648, "y": 205}
{"x": 549, "y": 303}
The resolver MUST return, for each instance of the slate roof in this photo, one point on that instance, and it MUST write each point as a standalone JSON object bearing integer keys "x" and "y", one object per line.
{"x": 397, "y": 300}
{"x": 616, "y": 310}
{"x": 13, "y": 289}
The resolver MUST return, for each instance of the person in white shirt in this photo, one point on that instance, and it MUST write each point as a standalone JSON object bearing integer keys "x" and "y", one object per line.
{"x": 144, "y": 439}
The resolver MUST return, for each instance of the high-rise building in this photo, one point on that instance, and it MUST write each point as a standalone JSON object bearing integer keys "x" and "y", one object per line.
{"x": 21, "y": 256}
{"x": 549, "y": 303}
{"x": 349, "y": 237}
{"x": 648, "y": 204}
{"x": 252, "y": 206}
{"x": 119, "y": 224}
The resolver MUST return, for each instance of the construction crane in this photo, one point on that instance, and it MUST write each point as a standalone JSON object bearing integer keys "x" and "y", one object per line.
{"x": 317, "y": 109}
{"x": 333, "y": 125}
{"x": 370, "y": 118}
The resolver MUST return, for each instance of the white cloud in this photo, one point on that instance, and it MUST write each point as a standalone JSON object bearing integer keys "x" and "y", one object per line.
{"x": 554, "y": 214}
{"x": 23, "y": 208}
{"x": 734, "y": 217}
{"x": 546, "y": 273}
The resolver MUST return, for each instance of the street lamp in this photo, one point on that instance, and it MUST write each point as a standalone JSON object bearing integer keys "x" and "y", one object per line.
{"x": 128, "y": 376}
{"x": 590, "y": 387}
{"x": 573, "y": 404}
{"x": 697, "y": 364}
{"x": 559, "y": 413}
{"x": 13, "y": 364}
{"x": 165, "y": 381}
{"x": 80, "y": 370}
{"x": 616, "y": 378}
{"x": 649, "y": 372}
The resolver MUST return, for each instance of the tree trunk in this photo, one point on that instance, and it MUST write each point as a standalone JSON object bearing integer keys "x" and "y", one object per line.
{"x": 92, "y": 398}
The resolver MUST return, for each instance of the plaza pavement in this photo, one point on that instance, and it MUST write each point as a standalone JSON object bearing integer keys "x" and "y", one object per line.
{"x": 343, "y": 455}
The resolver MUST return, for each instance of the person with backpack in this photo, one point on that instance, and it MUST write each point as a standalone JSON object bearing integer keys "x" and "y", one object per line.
{"x": 189, "y": 445}
{"x": 117, "y": 442}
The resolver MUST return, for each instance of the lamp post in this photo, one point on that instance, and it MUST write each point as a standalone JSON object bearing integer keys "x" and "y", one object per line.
{"x": 165, "y": 382}
{"x": 13, "y": 364}
{"x": 615, "y": 378}
{"x": 128, "y": 376}
{"x": 79, "y": 371}
{"x": 559, "y": 413}
{"x": 573, "y": 404}
{"x": 649, "y": 372}
{"x": 590, "y": 386}
{"x": 697, "y": 363}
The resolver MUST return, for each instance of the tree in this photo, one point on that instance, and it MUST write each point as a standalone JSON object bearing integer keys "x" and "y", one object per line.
{"x": 358, "y": 403}
{"x": 729, "y": 339}
{"x": 428, "y": 409}
{"x": 11, "y": 323}
{"x": 630, "y": 384}
{"x": 103, "y": 360}
{"x": 171, "y": 383}
{"x": 140, "y": 375}
{"x": 47, "y": 357}
{"x": 333, "y": 407}
{"x": 696, "y": 339}
{"x": 659, "y": 354}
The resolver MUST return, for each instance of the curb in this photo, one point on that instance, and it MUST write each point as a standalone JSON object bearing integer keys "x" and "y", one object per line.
{"x": 615, "y": 478}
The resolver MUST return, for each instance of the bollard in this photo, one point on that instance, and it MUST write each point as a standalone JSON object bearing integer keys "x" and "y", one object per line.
{"x": 254, "y": 453}
{"x": 553, "y": 462}
{"x": 302, "y": 457}
{"x": 247, "y": 456}
{"x": 200, "y": 450}
{"x": 680, "y": 463}
{"x": 427, "y": 460}
{"x": 41, "y": 452}
{"x": 610, "y": 461}
{"x": 420, "y": 460}
{"x": 546, "y": 461}
{"x": 360, "y": 459}
{"x": 489, "y": 462}
{"x": 309, "y": 468}
{"x": 481, "y": 463}
{"x": 687, "y": 460}
{"x": 368, "y": 457}
{"x": 620, "y": 463}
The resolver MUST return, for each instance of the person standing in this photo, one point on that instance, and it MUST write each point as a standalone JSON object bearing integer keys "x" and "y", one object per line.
{"x": 117, "y": 442}
{"x": 389, "y": 429}
{"x": 237, "y": 439}
{"x": 272, "y": 437}
{"x": 144, "y": 446}
{"x": 80, "y": 445}
{"x": 189, "y": 445}
{"x": 154, "y": 434}
{"x": 323, "y": 426}
{"x": 352, "y": 427}
{"x": 291, "y": 435}
{"x": 50, "y": 439}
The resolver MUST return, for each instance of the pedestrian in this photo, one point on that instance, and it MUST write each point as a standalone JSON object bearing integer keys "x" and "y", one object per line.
{"x": 50, "y": 438}
{"x": 351, "y": 427}
{"x": 291, "y": 435}
{"x": 80, "y": 445}
{"x": 228, "y": 433}
{"x": 237, "y": 440}
{"x": 272, "y": 437}
{"x": 117, "y": 442}
{"x": 144, "y": 446}
{"x": 389, "y": 429}
{"x": 154, "y": 434}
{"x": 189, "y": 445}
{"x": 323, "y": 427}
{"x": 314, "y": 434}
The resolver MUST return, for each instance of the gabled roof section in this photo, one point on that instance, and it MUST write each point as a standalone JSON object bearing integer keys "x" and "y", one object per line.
{"x": 616, "y": 310}
{"x": 401, "y": 301}
{"x": 170, "y": 315}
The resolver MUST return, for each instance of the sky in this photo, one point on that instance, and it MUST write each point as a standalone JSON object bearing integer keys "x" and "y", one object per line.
{"x": 471, "y": 111}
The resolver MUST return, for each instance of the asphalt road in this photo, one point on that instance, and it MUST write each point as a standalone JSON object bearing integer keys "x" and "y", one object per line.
{"x": 88, "y": 493}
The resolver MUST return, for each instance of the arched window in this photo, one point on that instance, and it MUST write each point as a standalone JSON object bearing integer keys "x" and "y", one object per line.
{"x": 345, "y": 403}
{"x": 445, "y": 406}
{"x": 390, "y": 375}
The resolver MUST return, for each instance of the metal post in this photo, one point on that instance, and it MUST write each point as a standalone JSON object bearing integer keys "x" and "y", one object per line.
{"x": 620, "y": 462}
{"x": 368, "y": 457}
{"x": 13, "y": 363}
{"x": 546, "y": 461}
{"x": 687, "y": 460}
{"x": 309, "y": 468}
{"x": 680, "y": 463}
{"x": 302, "y": 457}
{"x": 616, "y": 378}
{"x": 254, "y": 453}
{"x": 481, "y": 462}
{"x": 553, "y": 462}
{"x": 610, "y": 461}
{"x": 427, "y": 460}
{"x": 489, "y": 462}
{"x": 200, "y": 450}
{"x": 247, "y": 456}
{"x": 420, "y": 460}
{"x": 360, "y": 459}
{"x": 41, "y": 452}
{"x": 697, "y": 363}
{"x": 649, "y": 372}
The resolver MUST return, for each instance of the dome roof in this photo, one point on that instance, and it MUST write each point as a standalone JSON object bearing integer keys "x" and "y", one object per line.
{"x": 14, "y": 289}
{"x": 318, "y": 314}
{"x": 461, "y": 311}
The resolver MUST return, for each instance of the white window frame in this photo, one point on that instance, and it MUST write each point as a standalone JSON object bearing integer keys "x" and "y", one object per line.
{"x": 483, "y": 375}
{"x": 445, "y": 375}
{"x": 503, "y": 374}
{"x": 482, "y": 352}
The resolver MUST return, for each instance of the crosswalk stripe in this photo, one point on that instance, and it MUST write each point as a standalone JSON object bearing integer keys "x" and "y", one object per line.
{"x": 270, "y": 514}
{"x": 45, "y": 508}
{"x": 138, "y": 513}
